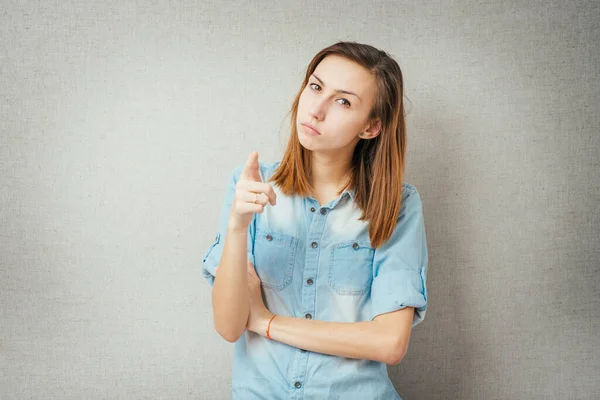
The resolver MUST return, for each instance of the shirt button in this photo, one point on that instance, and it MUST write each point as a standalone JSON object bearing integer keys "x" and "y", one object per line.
{"x": 269, "y": 238}
{"x": 309, "y": 281}
{"x": 297, "y": 385}
{"x": 314, "y": 245}
{"x": 312, "y": 209}
{"x": 323, "y": 211}
{"x": 355, "y": 246}
{"x": 308, "y": 316}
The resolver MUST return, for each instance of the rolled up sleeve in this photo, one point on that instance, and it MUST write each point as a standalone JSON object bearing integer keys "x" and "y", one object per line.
{"x": 400, "y": 265}
{"x": 212, "y": 256}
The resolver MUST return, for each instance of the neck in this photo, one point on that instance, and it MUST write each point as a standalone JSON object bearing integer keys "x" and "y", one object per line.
{"x": 329, "y": 171}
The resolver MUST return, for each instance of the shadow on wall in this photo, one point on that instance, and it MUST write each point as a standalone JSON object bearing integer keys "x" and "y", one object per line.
{"x": 439, "y": 354}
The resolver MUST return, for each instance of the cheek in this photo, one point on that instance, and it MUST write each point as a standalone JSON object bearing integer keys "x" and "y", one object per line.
{"x": 302, "y": 101}
{"x": 347, "y": 123}
{"x": 347, "y": 129}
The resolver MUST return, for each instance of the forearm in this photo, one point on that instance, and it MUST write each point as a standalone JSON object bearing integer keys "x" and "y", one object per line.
{"x": 230, "y": 290}
{"x": 362, "y": 340}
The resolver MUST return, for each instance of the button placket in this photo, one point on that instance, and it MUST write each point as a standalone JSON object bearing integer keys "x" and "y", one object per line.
{"x": 316, "y": 228}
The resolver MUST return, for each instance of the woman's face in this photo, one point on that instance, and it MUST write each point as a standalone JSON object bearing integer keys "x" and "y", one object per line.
{"x": 336, "y": 102}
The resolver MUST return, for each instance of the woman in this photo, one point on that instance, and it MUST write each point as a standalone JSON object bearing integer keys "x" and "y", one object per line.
{"x": 322, "y": 257}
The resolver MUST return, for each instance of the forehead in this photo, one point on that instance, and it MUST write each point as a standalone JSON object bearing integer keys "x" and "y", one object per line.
{"x": 340, "y": 73}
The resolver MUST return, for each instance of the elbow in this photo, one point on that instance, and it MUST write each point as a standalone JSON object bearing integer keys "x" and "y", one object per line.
{"x": 394, "y": 358}
{"x": 230, "y": 325}
{"x": 231, "y": 335}
{"x": 231, "y": 338}
{"x": 229, "y": 328}
{"x": 396, "y": 352}
{"x": 228, "y": 331}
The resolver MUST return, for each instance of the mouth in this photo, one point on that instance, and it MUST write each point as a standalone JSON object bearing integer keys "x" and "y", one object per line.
{"x": 310, "y": 129}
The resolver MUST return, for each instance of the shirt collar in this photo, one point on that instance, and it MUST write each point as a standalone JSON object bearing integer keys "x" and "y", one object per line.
{"x": 350, "y": 193}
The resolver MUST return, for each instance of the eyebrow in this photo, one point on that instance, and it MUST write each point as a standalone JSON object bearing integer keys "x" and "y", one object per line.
{"x": 337, "y": 90}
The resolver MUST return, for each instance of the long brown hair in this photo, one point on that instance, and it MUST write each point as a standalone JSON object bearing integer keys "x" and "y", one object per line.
{"x": 378, "y": 163}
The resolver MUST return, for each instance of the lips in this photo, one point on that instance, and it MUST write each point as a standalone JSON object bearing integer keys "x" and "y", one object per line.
{"x": 311, "y": 128}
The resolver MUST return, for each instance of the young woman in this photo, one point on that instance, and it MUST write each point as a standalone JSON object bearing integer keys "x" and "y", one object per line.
{"x": 322, "y": 256}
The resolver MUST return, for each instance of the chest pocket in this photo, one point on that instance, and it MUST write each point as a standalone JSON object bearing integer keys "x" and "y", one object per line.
{"x": 274, "y": 257}
{"x": 351, "y": 267}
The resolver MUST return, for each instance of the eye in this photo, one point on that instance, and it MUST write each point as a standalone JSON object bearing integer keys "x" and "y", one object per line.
{"x": 345, "y": 103}
{"x": 315, "y": 86}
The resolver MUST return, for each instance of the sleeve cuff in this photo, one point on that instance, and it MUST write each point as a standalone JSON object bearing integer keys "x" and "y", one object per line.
{"x": 395, "y": 291}
{"x": 211, "y": 261}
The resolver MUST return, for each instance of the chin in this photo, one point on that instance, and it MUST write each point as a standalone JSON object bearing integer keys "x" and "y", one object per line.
{"x": 303, "y": 142}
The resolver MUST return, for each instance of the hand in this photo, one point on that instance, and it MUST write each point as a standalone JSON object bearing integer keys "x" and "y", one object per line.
{"x": 251, "y": 195}
{"x": 259, "y": 315}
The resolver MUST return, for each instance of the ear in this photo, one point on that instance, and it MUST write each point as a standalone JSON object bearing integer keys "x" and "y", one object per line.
{"x": 372, "y": 129}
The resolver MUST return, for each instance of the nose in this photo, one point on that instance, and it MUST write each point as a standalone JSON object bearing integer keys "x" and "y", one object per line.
{"x": 318, "y": 108}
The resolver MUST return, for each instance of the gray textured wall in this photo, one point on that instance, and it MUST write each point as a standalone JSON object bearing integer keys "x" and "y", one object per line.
{"x": 120, "y": 123}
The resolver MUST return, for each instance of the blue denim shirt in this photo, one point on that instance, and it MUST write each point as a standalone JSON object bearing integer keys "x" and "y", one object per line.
{"x": 317, "y": 262}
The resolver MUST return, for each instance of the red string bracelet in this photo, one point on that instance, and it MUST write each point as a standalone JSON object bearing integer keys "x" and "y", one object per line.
{"x": 269, "y": 326}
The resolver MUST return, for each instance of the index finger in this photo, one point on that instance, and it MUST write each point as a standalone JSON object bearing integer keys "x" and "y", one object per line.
{"x": 250, "y": 170}
{"x": 262, "y": 187}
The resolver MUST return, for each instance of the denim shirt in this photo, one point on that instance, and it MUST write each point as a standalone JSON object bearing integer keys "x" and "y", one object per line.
{"x": 317, "y": 262}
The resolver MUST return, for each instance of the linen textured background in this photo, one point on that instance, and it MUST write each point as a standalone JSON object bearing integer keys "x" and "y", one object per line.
{"x": 120, "y": 123}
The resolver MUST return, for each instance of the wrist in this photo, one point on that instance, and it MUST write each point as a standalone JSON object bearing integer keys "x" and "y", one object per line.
{"x": 267, "y": 324}
{"x": 236, "y": 228}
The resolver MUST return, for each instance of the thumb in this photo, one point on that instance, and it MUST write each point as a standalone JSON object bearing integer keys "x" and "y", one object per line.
{"x": 251, "y": 270}
{"x": 250, "y": 170}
